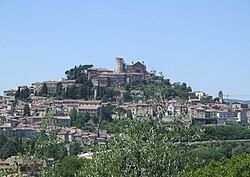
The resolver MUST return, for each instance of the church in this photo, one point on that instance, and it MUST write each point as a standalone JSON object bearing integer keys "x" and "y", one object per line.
{"x": 123, "y": 74}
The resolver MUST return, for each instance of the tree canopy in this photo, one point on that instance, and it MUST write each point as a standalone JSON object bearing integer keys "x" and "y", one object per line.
{"x": 26, "y": 110}
{"x": 238, "y": 166}
{"x": 22, "y": 94}
{"x": 78, "y": 72}
{"x": 157, "y": 87}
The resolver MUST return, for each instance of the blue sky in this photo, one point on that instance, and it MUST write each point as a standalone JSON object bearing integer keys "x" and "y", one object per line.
{"x": 203, "y": 43}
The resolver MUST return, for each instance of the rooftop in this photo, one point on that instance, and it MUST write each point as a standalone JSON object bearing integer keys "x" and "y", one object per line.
{"x": 93, "y": 107}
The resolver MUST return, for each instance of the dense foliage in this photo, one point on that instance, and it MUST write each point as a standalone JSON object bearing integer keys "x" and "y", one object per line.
{"x": 84, "y": 88}
{"x": 78, "y": 73}
{"x": 83, "y": 121}
{"x": 13, "y": 146}
{"x": 226, "y": 132}
{"x": 22, "y": 94}
{"x": 219, "y": 150}
{"x": 141, "y": 149}
{"x": 26, "y": 110}
{"x": 44, "y": 90}
{"x": 238, "y": 166}
{"x": 71, "y": 166}
{"x": 157, "y": 87}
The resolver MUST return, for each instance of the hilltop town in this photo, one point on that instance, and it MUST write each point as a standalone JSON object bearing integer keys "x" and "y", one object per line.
{"x": 174, "y": 101}
{"x": 88, "y": 98}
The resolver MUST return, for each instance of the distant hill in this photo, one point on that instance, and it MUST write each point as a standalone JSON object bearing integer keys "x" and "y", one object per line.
{"x": 235, "y": 100}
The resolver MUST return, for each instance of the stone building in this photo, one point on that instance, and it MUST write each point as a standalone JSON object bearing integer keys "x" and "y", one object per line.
{"x": 52, "y": 86}
{"x": 123, "y": 74}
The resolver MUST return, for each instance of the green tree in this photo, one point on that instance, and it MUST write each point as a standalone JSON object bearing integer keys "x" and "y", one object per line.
{"x": 75, "y": 148}
{"x": 76, "y": 119}
{"x": 226, "y": 132}
{"x": 207, "y": 100}
{"x": 127, "y": 97}
{"x": 107, "y": 112}
{"x": 120, "y": 112}
{"x": 78, "y": 72}
{"x": 129, "y": 114}
{"x": 22, "y": 93}
{"x": 238, "y": 166}
{"x": 9, "y": 149}
{"x": 47, "y": 145}
{"x": 44, "y": 90}
{"x": 105, "y": 93}
{"x": 26, "y": 110}
{"x": 71, "y": 166}
{"x": 73, "y": 114}
{"x": 141, "y": 149}
{"x": 17, "y": 94}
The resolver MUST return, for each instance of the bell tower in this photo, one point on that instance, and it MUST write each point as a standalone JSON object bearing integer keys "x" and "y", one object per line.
{"x": 119, "y": 66}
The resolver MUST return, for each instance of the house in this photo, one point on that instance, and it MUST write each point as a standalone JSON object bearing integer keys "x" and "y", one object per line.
{"x": 9, "y": 93}
{"x": 67, "y": 83}
{"x": 211, "y": 114}
{"x": 63, "y": 135}
{"x": 71, "y": 103}
{"x": 200, "y": 94}
{"x": 141, "y": 110}
{"x": 24, "y": 131}
{"x": 38, "y": 111}
{"x": 101, "y": 81}
{"x": 53, "y": 86}
{"x": 239, "y": 105}
{"x": 240, "y": 111}
{"x": 78, "y": 136}
{"x": 96, "y": 72}
{"x": 88, "y": 155}
{"x": 19, "y": 110}
{"x": 92, "y": 110}
{"x": 92, "y": 107}
{"x": 36, "y": 119}
{"x": 85, "y": 138}
{"x": 92, "y": 137}
{"x": 241, "y": 115}
{"x": 62, "y": 121}
{"x": 38, "y": 99}
{"x": 225, "y": 116}
{"x": 200, "y": 114}
{"x": 248, "y": 115}
{"x": 14, "y": 161}
{"x": 170, "y": 110}
{"x": 89, "y": 103}
{"x": 9, "y": 163}
{"x": 5, "y": 129}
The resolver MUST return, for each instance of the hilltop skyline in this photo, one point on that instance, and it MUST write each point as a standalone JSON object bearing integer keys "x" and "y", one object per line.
{"x": 204, "y": 44}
